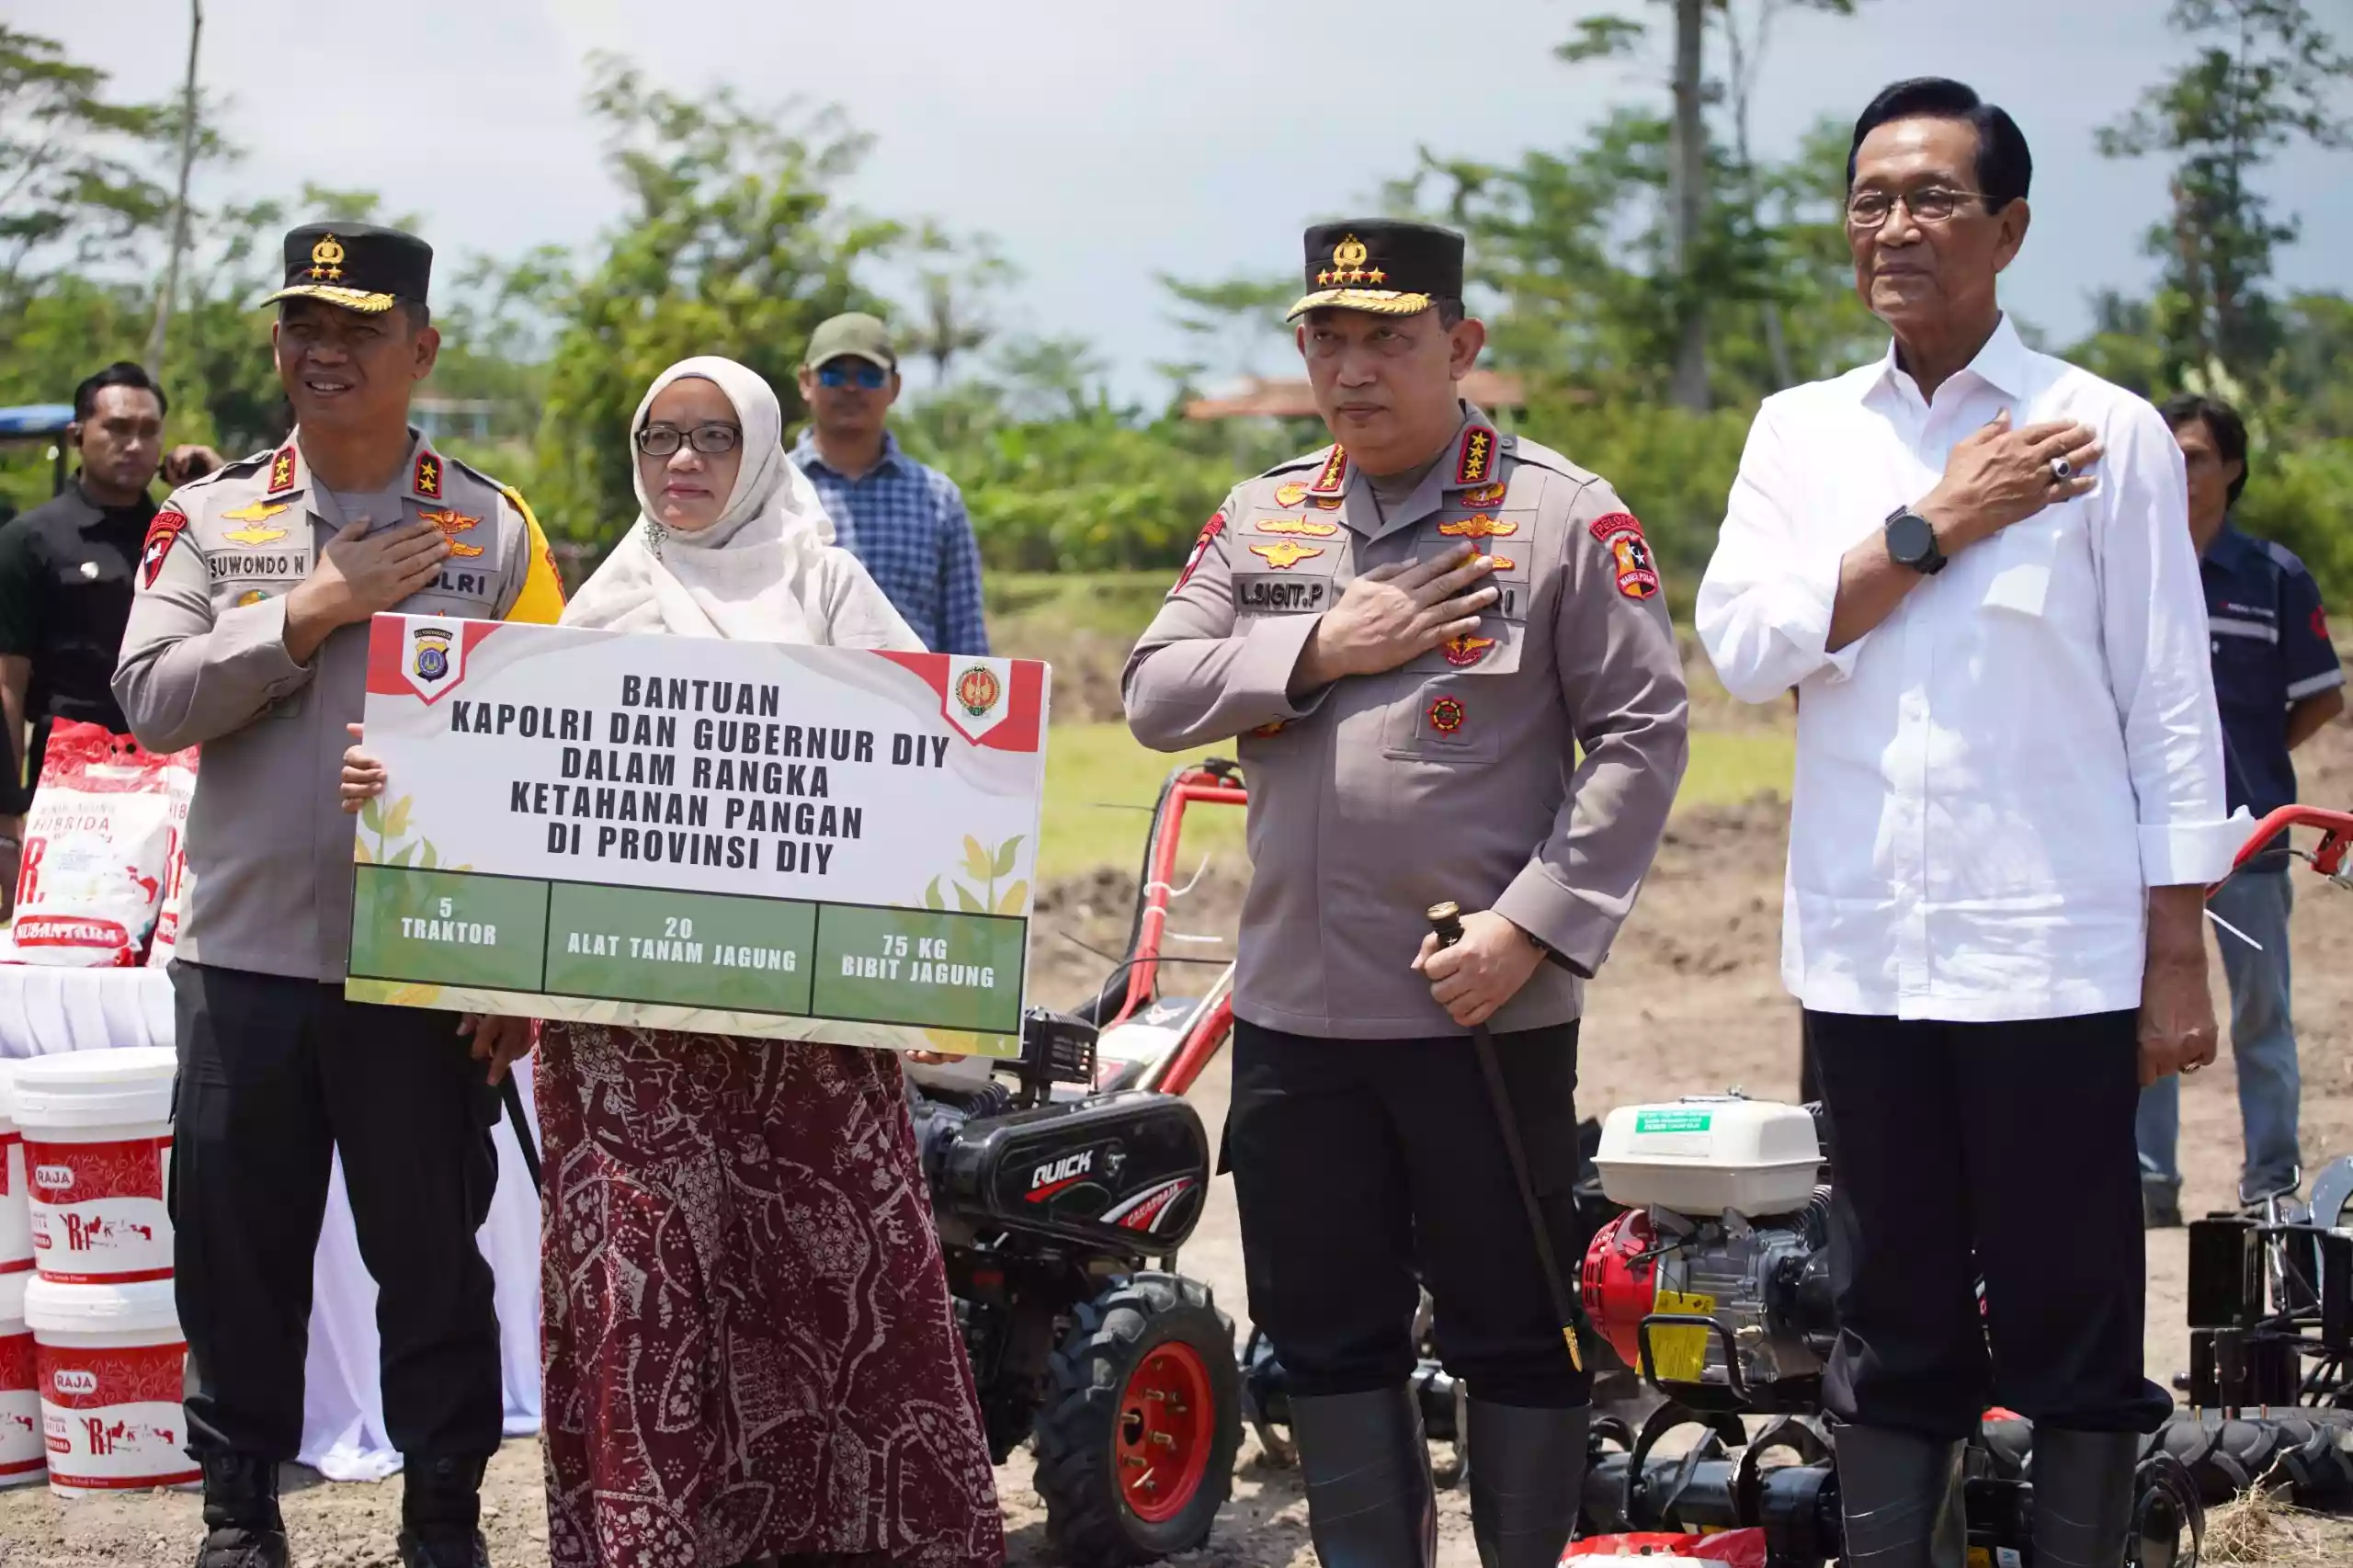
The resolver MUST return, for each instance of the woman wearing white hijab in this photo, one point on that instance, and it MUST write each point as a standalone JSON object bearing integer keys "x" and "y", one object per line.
{"x": 751, "y": 1354}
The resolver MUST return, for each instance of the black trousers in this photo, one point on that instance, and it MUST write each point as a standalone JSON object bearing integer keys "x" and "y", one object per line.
{"x": 1996, "y": 1151}
{"x": 1363, "y": 1168}
{"x": 275, "y": 1075}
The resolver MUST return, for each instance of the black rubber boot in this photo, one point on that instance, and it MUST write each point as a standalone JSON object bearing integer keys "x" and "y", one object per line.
{"x": 1369, "y": 1501}
{"x": 243, "y": 1527}
{"x": 441, "y": 1515}
{"x": 1901, "y": 1495}
{"x": 2083, "y": 1496}
{"x": 1527, "y": 1475}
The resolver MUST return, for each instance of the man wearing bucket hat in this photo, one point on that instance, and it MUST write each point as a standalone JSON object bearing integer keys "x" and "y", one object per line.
{"x": 1414, "y": 632}
{"x": 248, "y": 637}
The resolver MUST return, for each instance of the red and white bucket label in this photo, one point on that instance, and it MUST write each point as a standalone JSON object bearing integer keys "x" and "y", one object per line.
{"x": 21, "y": 1452}
{"x": 16, "y": 1214}
{"x": 111, "y": 1420}
{"x": 98, "y": 1210}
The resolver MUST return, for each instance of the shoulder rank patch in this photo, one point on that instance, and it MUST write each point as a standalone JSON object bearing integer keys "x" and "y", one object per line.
{"x": 428, "y": 481}
{"x": 1622, "y": 534}
{"x": 162, "y": 534}
{"x": 1290, "y": 495}
{"x": 451, "y": 525}
{"x": 281, "y": 470}
{"x": 1446, "y": 714}
{"x": 1284, "y": 555}
{"x": 1485, "y": 496}
{"x": 1302, "y": 528}
{"x": 1476, "y": 463}
{"x": 1335, "y": 477}
{"x": 1479, "y": 527}
{"x": 1210, "y": 530}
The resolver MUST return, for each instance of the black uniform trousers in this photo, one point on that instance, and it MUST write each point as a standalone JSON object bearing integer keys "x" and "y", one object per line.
{"x": 2001, "y": 1152}
{"x": 1366, "y": 1167}
{"x": 275, "y": 1075}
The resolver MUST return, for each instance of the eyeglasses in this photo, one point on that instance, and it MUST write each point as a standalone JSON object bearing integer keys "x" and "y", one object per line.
{"x": 1932, "y": 204}
{"x": 712, "y": 440}
{"x": 863, "y": 375}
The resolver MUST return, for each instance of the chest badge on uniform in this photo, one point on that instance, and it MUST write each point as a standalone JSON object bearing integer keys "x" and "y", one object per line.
{"x": 250, "y": 597}
{"x": 253, "y": 535}
{"x": 427, "y": 482}
{"x": 1299, "y": 527}
{"x": 1480, "y": 525}
{"x": 162, "y": 534}
{"x": 1466, "y": 650}
{"x": 1622, "y": 534}
{"x": 1485, "y": 496}
{"x": 451, "y": 525}
{"x": 1447, "y": 715}
{"x": 1290, "y": 495}
{"x": 1284, "y": 555}
{"x": 281, "y": 471}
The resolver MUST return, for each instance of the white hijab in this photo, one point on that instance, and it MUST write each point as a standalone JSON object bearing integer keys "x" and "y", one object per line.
{"x": 752, "y": 576}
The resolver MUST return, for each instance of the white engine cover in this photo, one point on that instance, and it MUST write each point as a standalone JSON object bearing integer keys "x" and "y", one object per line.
{"x": 1705, "y": 1154}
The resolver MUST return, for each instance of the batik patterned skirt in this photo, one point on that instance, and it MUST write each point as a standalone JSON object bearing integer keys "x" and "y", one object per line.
{"x": 750, "y": 1346}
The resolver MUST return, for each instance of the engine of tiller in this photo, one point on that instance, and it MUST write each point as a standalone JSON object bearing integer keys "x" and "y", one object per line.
{"x": 1714, "y": 1283}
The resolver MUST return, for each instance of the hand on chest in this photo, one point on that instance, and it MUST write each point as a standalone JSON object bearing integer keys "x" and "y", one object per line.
{"x": 263, "y": 549}
{"x": 1300, "y": 561}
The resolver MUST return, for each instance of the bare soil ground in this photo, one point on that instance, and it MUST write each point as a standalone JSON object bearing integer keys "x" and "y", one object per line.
{"x": 1691, "y": 1001}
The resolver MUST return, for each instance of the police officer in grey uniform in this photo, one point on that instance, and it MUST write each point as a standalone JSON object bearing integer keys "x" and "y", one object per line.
{"x": 248, "y": 637}
{"x": 1416, "y": 631}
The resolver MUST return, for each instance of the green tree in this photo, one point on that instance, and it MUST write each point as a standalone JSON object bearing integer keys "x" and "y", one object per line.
{"x": 74, "y": 182}
{"x": 1704, "y": 258}
{"x": 2265, "y": 77}
{"x": 734, "y": 241}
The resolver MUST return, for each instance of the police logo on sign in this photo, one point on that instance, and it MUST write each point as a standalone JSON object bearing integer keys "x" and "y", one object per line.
{"x": 432, "y": 654}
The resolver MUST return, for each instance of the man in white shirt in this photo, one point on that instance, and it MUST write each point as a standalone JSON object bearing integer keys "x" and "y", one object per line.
{"x": 1971, "y": 561}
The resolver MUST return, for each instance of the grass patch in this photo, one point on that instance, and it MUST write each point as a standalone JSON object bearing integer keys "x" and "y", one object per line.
{"x": 1100, "y": 786}
{"x": 1031, "y": 609}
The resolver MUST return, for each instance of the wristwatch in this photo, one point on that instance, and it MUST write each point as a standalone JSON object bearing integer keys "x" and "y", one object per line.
{"x": 1912, "y": 541}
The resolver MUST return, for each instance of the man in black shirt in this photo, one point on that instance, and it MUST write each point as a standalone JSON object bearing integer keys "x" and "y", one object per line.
{"x": 66, "y": 579}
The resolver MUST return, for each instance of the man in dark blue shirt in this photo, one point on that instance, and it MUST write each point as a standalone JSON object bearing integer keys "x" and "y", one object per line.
{"x": 2276, "y": 681}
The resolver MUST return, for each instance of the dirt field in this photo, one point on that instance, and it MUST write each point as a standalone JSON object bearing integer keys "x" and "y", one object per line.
{"x": 1690, "y": 1002}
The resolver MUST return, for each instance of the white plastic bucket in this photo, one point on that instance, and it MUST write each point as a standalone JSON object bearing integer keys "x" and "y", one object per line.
{"x": 16, "y": 1203}
{"x": 97, "y": 1131}
{"x": 111, "y": 1360}
{"x": 21, "y": 1455}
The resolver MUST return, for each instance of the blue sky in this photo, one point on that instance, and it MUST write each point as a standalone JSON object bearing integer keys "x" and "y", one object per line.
{"x": 1105, "y": 142}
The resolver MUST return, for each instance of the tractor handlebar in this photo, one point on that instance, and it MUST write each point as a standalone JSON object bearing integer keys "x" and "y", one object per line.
{"x": 2328, "y": 858}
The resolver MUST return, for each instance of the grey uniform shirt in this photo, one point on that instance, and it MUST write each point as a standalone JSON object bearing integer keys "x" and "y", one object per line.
{"x": 204, "y": 664}
{"x": 1456, "y": 777}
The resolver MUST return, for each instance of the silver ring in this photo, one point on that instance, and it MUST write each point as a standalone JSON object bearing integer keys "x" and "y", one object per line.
{"x": 2059, "y": 469}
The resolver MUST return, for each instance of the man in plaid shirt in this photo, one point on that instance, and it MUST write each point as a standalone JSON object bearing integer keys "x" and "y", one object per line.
{"x": 904, "y": 520}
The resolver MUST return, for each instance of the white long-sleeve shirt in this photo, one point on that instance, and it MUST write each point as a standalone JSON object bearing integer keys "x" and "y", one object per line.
{"x": 1990, "y": 779}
